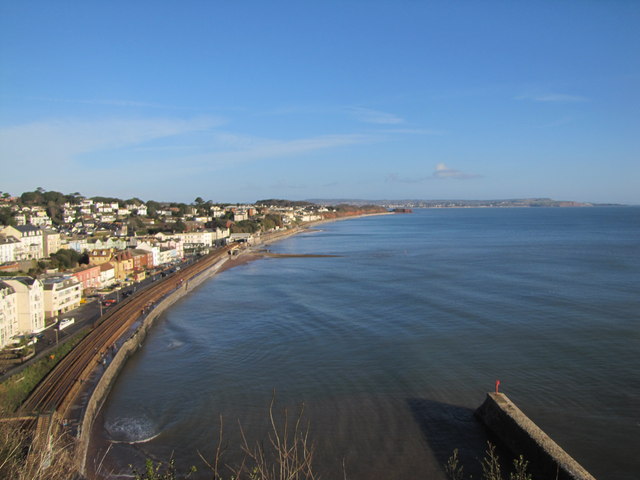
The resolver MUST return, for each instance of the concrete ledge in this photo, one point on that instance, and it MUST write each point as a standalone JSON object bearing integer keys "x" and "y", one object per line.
{"x": 522, "y": 436}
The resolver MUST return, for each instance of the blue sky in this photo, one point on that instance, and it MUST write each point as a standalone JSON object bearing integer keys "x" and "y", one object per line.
{"x": 244, "y": 100}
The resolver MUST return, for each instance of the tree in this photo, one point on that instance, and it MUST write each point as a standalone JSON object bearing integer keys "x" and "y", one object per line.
{"x": 179, "y": 226}
{"x": 152, "y": 208}
{"x": 6, "y": 216}
{"x": 65, "y": 259}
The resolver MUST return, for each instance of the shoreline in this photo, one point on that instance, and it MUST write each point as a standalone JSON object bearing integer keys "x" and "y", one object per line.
{"x": 96, "y": 446}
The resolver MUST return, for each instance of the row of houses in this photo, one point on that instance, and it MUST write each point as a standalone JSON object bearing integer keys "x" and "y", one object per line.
{"x": 28, "y": 242}
{"x": 26, "y": 302}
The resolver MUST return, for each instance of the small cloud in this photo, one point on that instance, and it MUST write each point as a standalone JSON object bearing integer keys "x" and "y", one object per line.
{"x": 553, "y": 97}
{"x": 443, "y": 172}
{"x": 368, "y": 115}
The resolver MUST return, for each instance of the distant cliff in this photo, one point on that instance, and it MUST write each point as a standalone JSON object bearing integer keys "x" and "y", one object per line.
{"x": 353, "y": 210}
{"x": 504, "y": 203}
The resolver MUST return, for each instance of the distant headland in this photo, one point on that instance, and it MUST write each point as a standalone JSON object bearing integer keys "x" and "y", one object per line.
{"x": 504, "y": 203}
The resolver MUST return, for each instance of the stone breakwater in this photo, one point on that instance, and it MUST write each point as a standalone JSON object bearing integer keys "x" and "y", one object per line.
{"x": 524, "y": 437}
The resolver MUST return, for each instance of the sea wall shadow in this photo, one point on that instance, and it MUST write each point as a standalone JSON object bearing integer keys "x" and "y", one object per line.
{"x": 446, "y": 427}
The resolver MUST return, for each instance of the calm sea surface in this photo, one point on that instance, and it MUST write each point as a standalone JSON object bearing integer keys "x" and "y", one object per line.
{"x": 393, "y": 343}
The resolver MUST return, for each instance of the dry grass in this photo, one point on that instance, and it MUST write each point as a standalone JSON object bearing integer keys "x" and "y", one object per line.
{"x": 287, "y": 455}
{"x": 20, "y": 460}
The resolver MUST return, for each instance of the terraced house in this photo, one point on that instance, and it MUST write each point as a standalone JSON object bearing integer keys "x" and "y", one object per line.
{"x": 8, "y": 313}
{"x": 61, "y": 294}
{"x": 30, "y": 303}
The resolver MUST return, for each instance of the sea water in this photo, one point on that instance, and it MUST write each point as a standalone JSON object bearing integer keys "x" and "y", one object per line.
{"x": 392, "y": 343}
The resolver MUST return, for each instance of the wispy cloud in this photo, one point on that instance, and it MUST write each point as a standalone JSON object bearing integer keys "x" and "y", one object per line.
{"x": 45, "y": 142}
{"x": 368, "y": 115}
{"x": 252, "y": 149}
{"x": 553, "y": 97}
{"x": 442, "y": 172}
{"x": 101, "y": 101}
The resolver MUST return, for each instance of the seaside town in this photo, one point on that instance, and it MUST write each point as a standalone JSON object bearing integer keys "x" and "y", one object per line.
{"x": 58, "y": 252}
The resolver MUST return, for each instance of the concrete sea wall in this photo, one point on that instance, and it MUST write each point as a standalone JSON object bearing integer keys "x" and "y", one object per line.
{"x": 128, "y": 348}
{"x": 522, "y": 436}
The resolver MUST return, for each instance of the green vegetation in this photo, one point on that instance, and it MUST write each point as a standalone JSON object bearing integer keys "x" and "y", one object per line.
{"x": 245, "y": 226}
{"x": 271, "y": 221}
{"x": 284, "y": 203}
{"x": 6, "y": 216}
{"x": 159, "y": 471}
{"x": 17, "y": 388}
{"x": 66, "y": 259}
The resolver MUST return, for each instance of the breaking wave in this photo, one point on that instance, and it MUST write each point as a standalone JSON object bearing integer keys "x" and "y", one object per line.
{"x": 132, "y": 430}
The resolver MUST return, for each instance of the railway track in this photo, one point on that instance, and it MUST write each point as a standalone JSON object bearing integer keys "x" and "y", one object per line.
{"x": 58, "y": 390}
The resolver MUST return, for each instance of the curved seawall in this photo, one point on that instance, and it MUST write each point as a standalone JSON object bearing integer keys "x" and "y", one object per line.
{"x": 522, "y": 436}
{"x": 128, "y": 348}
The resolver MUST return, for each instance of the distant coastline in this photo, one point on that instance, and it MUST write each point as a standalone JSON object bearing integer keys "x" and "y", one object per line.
{"x": 503, "y": 203}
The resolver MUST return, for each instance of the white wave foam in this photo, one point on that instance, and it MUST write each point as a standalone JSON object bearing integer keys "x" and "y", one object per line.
{"x": 132, "y": 430}
{"x": 173, "y": 344}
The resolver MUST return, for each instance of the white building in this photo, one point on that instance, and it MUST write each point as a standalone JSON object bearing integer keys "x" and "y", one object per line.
{"x": 61, "y": 294}
{"x": 8, "y": 247}
{"x": 155, "y": 251}
{"x": 39, "y": 218}
{"x": 221, "y": 234}
{"x": 8, "y": 313}
{"x": 170, "y": 241}
{"x": 167, "y": 255}
{"x": 107, "y": 274}
{"x": 140, "y": 209}
{"x": 30, "y": 303}
{"x": 31, "y": 243}
{"x": 196, "y": 240}
{"x": 217, "y": 212}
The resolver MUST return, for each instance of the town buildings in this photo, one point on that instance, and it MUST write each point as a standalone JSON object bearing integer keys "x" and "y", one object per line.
{"x": 120, "y": 241}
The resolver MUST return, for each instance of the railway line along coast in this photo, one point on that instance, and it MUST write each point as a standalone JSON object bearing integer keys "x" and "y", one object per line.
{"x": 70, "y": 396}
{"x": 68, "y": 400}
